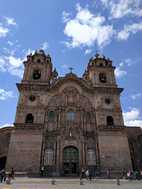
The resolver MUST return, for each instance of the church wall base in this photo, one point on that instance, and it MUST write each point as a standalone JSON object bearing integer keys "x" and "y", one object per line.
{"x": 114, "y": 151}
{"x": 25, "y": 151}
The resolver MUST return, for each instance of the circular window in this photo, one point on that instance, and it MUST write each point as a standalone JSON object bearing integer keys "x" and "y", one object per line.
{"x": 36, "y": 74}
{"x": 32, "y": 98}
{"x": 107, "y": 101}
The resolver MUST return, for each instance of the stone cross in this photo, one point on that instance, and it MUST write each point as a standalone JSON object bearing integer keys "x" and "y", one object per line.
{"x": 70, "y": 68}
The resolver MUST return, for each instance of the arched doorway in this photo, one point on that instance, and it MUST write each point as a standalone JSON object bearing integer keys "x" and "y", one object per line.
{"x": 2, "y": 162}
{"x": 70, "y": 161}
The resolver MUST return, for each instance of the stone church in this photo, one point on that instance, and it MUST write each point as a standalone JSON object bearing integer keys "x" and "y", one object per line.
{"x": 64, "y": 124}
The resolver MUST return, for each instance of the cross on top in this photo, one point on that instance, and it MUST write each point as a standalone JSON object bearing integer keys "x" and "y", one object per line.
{"x": 97, "y": 54}
{"x": 70, "y": 68}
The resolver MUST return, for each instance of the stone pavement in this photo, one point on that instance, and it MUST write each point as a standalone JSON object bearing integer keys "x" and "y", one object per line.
{"x": 65, "y": 183}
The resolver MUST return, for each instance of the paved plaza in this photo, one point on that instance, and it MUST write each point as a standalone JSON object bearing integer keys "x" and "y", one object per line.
{"x": 37, "y": 183}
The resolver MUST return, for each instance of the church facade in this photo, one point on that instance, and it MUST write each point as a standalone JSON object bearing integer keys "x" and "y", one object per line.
{"x": 64, "y": 124}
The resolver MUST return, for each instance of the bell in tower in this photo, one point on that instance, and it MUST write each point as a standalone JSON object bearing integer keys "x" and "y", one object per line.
{"x": 38, "y": 67}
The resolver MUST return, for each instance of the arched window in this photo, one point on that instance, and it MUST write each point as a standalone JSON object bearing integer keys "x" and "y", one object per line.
{"x": 88, "y": 116}
{"x": 102, "y": 78}
{"x": 51, "y": 116}
{"x": 107, "y": 101}
{"x": 36, "y": 74}
{"x": 70, "y": 116}
{"x": 29, "y": 118}
{"x": 70, "y": 154}
{"x": 110, "y": 121}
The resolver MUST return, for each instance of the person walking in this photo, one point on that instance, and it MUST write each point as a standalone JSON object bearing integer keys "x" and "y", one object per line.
{"x": 87, "y": 174}
{"x": 90, "y": 176}
{"x": 2, "y": 175}
{"x": 82, "y": 173}
{"x": 8, "y": 179}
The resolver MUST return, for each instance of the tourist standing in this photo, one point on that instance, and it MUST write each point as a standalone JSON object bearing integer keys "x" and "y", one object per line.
{"x": 12, "y": 173}
{"x": 42, "y": 171}
{"x": 108, "y": 173}
{"x": 123, "y": 173}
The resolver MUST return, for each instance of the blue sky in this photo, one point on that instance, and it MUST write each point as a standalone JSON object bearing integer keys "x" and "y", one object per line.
{"x": 71, "y": 32}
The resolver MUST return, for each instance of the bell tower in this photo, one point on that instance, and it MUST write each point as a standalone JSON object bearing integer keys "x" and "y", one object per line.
{"x": 112, "y": 140}
{"x": 37, "y": 78}
{"x": 29, "y": 119}
{"x": 100, "y": 74}
{"x": 38, "y": 68}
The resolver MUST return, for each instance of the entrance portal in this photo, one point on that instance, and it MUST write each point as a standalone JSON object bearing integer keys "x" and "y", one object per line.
{"x": 70, "y": 161}
{"x": 2, "y": 162}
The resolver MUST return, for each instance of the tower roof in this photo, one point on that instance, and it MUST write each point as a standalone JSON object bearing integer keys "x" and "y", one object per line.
{"x": 39, "y": 56}
{"x": 99, "y": 61}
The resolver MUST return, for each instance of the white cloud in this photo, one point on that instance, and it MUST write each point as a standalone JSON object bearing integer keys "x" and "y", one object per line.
{"x": 132, "y": 117}
{"x": 13, "y": 61}
{"x": 105, "y": 2}
{"x": 121, "y": 8}
{"x": 88, "y": 51}
{"x": 65, "y": 16}
{"x": 5, "y": 94}
{"x": 10, "y": 43}
{"x": 119, "y": 72}
{"x": 2, "y": 63}
{"x": 45, "y": 46}
{"x": 136, "y": 96}
{"x": 7, "y": 125}
{"x": 86, "y": 29}
{"x": 129, "y": 29}
{"x": 11, "y": 64}
{"x": 10, "y": 21}
{"x": 3, "y": 31}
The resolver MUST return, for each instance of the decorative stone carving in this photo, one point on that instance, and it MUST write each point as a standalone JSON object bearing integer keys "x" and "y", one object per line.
{"x": 48, "y": 157}
{"x": 91, "y": 157}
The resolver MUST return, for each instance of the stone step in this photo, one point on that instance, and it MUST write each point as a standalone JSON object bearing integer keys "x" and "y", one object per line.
{"x": 67, "y": 180}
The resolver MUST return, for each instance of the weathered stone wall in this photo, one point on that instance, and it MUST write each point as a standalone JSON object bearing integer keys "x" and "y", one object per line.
{"x": 5, "y": 134}
{"x": 114, "y": 150}
{"x": 135, "y": 143}
{"x": 25, "y": 150}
